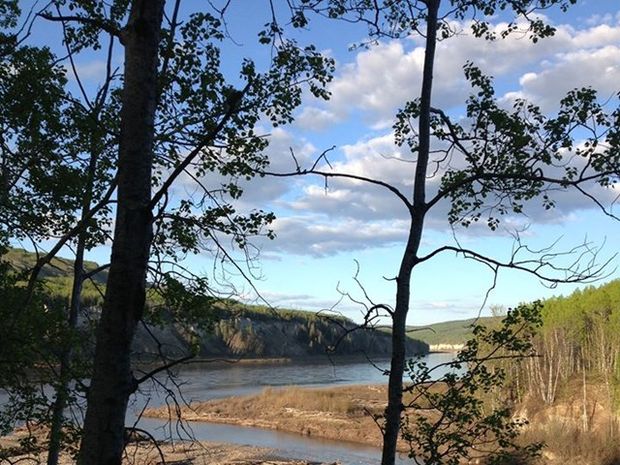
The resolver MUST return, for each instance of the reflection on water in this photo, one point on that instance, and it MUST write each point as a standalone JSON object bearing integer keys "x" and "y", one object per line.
{"x": 285, "y": 444}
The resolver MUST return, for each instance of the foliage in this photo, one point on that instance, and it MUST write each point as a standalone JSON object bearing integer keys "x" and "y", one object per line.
{"x": 21, "y": 260}
{"x": 447, "y": 419}
{"x": 579, "y": 336}
{"x": 515, "y": 156}
{"x": 492, "y": 163}
{"x": 31, "y": 337}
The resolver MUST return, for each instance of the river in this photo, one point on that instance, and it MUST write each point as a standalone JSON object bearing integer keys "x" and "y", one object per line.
{"x": 201, "y": 382}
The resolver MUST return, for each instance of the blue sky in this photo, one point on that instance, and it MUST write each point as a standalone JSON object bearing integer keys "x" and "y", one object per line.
{"x": 324, "y": 234}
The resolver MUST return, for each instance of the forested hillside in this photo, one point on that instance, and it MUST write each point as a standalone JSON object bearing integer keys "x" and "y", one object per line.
{"x": 580, "y": 334}
{"x": 568, "y": 387}
{"x": 255, "y": 332}
{"x": 225, "y": 328}
{"x": 23, "y": 260}
{"x": 585, "y": 315}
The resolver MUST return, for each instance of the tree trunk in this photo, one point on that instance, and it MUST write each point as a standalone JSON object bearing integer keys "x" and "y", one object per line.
{"x": 112, "y": 382}
{"x": 394, "y": 408}
{"x": 66, "y": 357}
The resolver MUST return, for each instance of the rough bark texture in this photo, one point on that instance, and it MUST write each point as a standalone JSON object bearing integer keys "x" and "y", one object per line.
{"x": 113, "y": 382}
{"x": 394, "y": 408}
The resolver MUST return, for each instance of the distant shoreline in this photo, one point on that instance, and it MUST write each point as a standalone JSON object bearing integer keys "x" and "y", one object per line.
{"x": 220, "y": 362}
{"x": 445, "y": 348}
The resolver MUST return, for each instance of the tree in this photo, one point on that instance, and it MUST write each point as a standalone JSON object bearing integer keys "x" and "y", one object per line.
{"x": 447, "y": 420}
{"x": 179, "y": 115}
{"x": 36, "y": 201}
{"x": 497, "y": 161}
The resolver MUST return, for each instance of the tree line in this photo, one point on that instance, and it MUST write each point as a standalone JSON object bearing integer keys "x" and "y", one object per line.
{"x": 579, "y": 337}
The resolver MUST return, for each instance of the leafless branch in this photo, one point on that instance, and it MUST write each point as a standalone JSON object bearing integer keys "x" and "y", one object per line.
{"x": 165, "y": 367}
{"x": 326, "y": 175}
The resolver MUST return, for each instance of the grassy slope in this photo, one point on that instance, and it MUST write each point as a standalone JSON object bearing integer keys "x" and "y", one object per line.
{"x": 448, "y": 332}
{"x": 58, "y": 267}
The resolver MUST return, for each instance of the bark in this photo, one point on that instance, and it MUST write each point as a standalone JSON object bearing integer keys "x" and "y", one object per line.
{"x": 112, "y": 382}
{"x": 394, "y": 408}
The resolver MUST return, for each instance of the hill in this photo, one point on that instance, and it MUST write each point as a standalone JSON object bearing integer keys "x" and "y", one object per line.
{"x": 236, "y": 330}
{"x": 253, "y": 332}
{"x": 453, "y": 333}
{"x": 23, "y": 260}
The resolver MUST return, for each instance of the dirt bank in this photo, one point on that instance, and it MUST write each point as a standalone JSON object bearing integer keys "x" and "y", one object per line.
{"x": 346, "y": 414}
{"x": 340, "y": 413}
{"x": 180, "y": 453}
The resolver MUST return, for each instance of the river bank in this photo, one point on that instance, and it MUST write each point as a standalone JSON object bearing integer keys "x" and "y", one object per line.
{"x": 346, "y": 413}
{"x": 343, "y": 413}
{"x": 149, "y": 363}
{"x": 147, "y": 452}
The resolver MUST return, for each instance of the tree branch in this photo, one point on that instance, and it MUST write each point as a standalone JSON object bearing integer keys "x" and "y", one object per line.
{"x": 165, "y": 367}
{"x": 574, "y": 275}
{"x": 45, "y": 259}
{"x": 303, "y": 172}
{"x": 104, "y": 25}
{"x": 209, "y": 138}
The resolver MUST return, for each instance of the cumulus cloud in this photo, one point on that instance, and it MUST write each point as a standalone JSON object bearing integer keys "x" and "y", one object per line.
{"x": 319, "y": 236}
{"x": 320, "y": 219}
{"x": 258, "y": 192}
{"x": 293, "y": 300}
{"x": 381, "y": 79}
{"x": 596, "y": 68}
{"x": 315, "y": 119}
{"x": 94, "y": 69}
{"x": 350, "y": 214}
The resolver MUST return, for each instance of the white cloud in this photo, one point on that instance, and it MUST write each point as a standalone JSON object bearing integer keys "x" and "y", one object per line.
{"x": 315, "y": 119}
{"x": 380, "y": 80}
{"x": 354, "y": 215}
{"x": 318, "y": 236}
{"x": 259, "y": 192}
{"x": 597, "y": 68}
{"x": 345, "y": 215}
{"x": 90, "y": 70}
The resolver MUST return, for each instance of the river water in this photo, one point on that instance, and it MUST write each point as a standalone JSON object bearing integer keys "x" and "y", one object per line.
{"x": 201, "y": 382}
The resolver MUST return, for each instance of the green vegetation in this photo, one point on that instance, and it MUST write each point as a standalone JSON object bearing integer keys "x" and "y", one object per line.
{"x": 570, "y": 390}
{"x": 207, "y": 326}
{"x": 457, "y": 424}
{"x": 580, "y": 336}
{"x": 455, "y": 332}
{"x": 23, "y": 260}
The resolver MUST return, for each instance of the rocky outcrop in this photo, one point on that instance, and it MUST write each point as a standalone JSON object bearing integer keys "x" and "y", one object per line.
{"x": 268, "y": 336}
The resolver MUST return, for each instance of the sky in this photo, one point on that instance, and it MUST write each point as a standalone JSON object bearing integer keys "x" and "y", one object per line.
{"x": 329, "y": 234}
